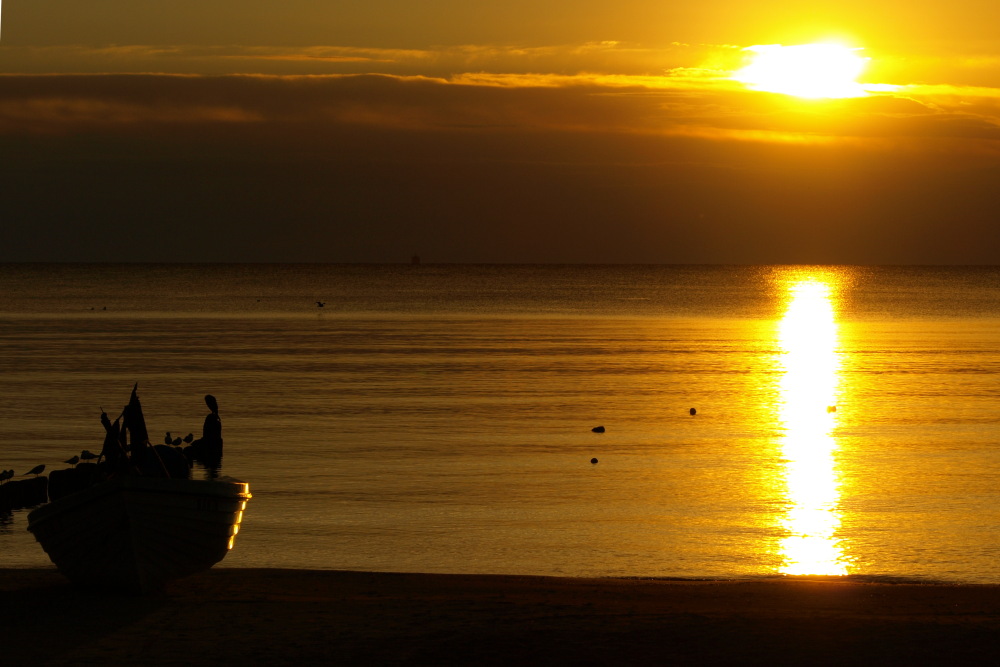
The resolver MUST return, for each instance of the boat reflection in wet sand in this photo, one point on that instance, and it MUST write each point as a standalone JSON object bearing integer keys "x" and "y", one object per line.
{"x": 134, "y": 520}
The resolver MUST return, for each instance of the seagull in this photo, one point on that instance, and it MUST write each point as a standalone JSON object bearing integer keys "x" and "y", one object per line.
{"x": 73, "y": 461}
{"x": 320, "y": 304}
{"x": 177, "y": 442}
{"x": 5, "y": 475}
{"x": 189, "y": 437}
{"x": 36, "y": 471}
{"x": 167, "y": 440}
{"x": 87, "y": 455}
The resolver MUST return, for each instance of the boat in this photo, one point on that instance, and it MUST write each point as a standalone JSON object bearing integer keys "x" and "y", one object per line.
{"x": 135, "y": 533}
{"x": 136, "y": 521}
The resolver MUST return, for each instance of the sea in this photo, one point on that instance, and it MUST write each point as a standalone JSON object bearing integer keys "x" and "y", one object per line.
{"x": 757, "y": 421}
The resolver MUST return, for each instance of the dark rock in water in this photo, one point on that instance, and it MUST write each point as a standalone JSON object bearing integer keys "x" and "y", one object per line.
{"x": 27, "y": 492}
{"x": 208, "y": 454}
{"x": 594, "y": 461}
{"x": 692, "y": 412}
{"x": 72, "y": 480}
{"x": 598, "y": 429}
{"x": 175, "y": 462}
{"x": 65, "y": 482}
{"x": 165, "y": 461}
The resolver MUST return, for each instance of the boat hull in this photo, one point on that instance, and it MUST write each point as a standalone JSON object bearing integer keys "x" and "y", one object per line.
{"x": 137, "y": 533}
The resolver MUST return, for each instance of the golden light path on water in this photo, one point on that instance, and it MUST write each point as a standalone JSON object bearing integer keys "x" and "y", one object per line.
{"x": 808, "y": 398}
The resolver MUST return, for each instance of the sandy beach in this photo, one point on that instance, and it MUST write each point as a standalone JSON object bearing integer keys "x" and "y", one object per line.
{"x": 279, "y": 617}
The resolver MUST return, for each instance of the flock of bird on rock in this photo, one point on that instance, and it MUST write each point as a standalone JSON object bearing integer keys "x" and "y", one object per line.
{"x": 176, "y": 442}
{"x": 85, "y": 455}
{"x": 126, "y": 450}
{"x": 23, "y": 493}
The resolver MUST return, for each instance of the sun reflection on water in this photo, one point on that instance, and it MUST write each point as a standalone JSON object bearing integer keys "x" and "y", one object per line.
{"x": 808, "y": 389}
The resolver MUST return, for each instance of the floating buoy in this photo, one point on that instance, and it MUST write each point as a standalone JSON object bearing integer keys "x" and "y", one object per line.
{"x": 594, "y": 461}
{"x": 831, "y": 408}
{"x": 598, "y": 429}
{"x": 692, "y": 412}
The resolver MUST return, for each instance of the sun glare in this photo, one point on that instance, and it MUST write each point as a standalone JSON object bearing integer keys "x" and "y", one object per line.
{"x": 806, "y": 70}
{"x": 809, "y": 389}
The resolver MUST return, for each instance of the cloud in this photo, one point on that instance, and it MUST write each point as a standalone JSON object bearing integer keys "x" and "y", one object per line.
{"x": 608, "y": 57}
{"x": 487, "y": 167}
{"x": 684, "y": 102}
{"x": 599, "y": 86}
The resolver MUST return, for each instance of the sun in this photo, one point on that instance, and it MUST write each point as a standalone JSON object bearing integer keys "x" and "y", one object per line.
{"x": 805, "y": 70}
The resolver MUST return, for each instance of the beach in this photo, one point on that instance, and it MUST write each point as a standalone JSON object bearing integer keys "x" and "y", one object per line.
{"x": 279, "y": 617}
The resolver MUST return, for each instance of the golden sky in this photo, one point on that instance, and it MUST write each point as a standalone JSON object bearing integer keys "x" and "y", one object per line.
{"x": 518, "y": 131}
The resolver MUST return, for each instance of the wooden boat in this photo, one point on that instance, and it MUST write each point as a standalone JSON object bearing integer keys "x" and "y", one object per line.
{"x": 135, "y": 533}
{"x": 135, "y": 520}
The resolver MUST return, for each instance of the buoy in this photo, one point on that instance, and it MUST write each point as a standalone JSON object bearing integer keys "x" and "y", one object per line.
{"x": 831, "y": 408}
{"x": 594, "y": 460}
{"x": 692, "y": 412}
{"x": 598, "y": 429}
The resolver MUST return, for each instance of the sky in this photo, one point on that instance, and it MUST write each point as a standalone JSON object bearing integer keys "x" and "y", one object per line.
{"x": 555, "y": 131}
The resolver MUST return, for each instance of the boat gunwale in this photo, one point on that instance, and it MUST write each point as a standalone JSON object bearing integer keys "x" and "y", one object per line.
{"x": 223, "y": 488}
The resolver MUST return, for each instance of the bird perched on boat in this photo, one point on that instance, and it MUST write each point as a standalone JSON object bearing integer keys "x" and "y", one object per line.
{"x": 73, "y": 461}
{"x": 36, "y": 471}
{"x": 87, "y": 455}
{"x": 320, "y": 304}
{"x": 167, "y": 439}
{"x": 5, "y": 475}
{"x": 177, "y": 441}
{"x": 188, "y": 438}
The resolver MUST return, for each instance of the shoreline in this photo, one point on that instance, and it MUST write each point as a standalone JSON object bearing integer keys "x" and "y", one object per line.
{"x": 284, "y": 617}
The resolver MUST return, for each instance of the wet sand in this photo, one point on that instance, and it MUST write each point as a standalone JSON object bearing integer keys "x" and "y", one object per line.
{"x": 285, "y": 617}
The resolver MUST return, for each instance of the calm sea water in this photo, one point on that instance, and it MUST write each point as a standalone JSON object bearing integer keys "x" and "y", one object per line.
{"x": 438, "y": 418}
